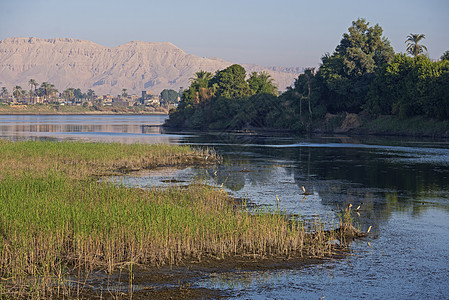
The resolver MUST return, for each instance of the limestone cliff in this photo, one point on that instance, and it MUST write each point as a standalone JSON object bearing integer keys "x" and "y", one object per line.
{"x": 136, "y": 66}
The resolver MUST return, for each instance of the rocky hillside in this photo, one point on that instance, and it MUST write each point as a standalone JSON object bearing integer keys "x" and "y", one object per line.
{"x": 136, "y": 66}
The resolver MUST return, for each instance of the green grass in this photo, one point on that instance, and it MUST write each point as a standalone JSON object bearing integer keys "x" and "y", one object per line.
{"x": 78, "y": 159}
{"x": 57, "y": 217}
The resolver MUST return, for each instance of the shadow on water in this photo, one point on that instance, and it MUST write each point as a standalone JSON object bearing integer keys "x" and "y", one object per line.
{"x": 401, "y": 186}
{"x": 335, "y": 171}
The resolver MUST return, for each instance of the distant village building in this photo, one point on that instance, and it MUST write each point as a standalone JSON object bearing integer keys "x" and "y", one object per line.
{"x": 133, "y": 98}
{"x": 154, "y": 101}
{"x": 36, "y": 100}
{"x": 149, "y": 99}
{"x": 120, "y": 102}
{"x": 107, "y": 99}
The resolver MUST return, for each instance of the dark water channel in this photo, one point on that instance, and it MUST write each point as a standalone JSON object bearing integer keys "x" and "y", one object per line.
{"x": 401, "y": 185}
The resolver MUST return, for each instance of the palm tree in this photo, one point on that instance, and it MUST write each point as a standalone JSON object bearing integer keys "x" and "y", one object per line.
{"x": 4, "y": 92}
{"x": 201, "y": 85}
{"x": 68, "y": 94}
{"x": 202, "y": 79}
{"x": 124, "y": 93}
{"x": 203, "y": 75}
{"x": 53, "y": 90}
{"x": 91, "y": 95}
{"x": 48, "y": 89}
{"x": 413, "y": 48}
{"x": 32, "y": 84}
{"x": 45, "y": 86}
{"x": 261, "y": 83}
{"x": 24, "y": 93}
{"x": 17, "y": 91}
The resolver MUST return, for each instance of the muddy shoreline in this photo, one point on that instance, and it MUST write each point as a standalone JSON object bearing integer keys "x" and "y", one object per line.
{"x": 179, "y": 282}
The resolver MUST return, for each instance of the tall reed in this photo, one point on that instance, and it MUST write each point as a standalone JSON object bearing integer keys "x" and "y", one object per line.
{"x": 56, "y": 217}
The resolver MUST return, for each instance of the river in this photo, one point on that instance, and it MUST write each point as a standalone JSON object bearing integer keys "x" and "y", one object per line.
{"x": 400, "y": 184}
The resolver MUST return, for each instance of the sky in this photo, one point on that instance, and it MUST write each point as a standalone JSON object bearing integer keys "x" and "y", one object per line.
{"x": 289, "y": 33}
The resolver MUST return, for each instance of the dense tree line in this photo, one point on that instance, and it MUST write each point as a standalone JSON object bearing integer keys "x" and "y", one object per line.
{"x": 410, "y": 87}
{"x": 226, "y": 100}
{"x": 47, "y": 91}
{"x": 362, "y": 74}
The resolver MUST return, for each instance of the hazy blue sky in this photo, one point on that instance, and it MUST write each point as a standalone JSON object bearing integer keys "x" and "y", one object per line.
{"x": 277, "y": 32}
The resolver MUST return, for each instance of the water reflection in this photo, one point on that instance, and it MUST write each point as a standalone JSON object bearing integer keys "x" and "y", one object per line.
{"x": 102, "y": 128}
{"x": 380, "y": 179}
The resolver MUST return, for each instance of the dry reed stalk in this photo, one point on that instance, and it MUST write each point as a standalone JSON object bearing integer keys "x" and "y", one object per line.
{"x": 53, "y": 223}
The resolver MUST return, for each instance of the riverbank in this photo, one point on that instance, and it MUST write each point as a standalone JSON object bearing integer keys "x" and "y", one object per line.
{"x": 61, "y": 224}
{"x": 362, "y": 124}
{"x": 345, "y": 123}
{"x": 411, "y": 127}
{"x": 48, "y": 109}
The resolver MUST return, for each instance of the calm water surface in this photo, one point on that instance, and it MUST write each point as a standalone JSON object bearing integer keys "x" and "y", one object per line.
{"x": 106, "y": 128}
{"x": 401, "y": 185}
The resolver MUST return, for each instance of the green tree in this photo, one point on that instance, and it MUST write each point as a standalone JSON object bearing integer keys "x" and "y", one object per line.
{"x": 413, "y": 48}
{"x": 78, "y": 94}
{"x": 260, "y": 83}
{"x": 17, "y": 91}
{"x": 23, "y": 94}
{"x": 124, "y": 93}
{"x": 169, "y": 96}
{"x": 69, "y": 94}
{"x": 33, "y": 84}
{"x": 4, "y": 92}
{"x": 91, "y": 94}
{"x": 201, "y": 80}
{"x": 47, "y": 90}
{"x": 392, "y": 90}
{"x": 210, "y": 102}
{"x": 410, "y": 87}
{"x": 231, "y": 83}
{"x": 364, "y": 49}
{"x": 44, "y": 89}
{"x": 303, "y": 88}
{"x": 257, "y": 111}
{"x": 437, "y": 101}
{"x": 198, "y": 85}
{"x": 347, "y": 74}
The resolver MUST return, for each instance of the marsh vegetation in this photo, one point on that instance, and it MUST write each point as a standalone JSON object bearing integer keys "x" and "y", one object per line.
{"x": 58, "y": 219}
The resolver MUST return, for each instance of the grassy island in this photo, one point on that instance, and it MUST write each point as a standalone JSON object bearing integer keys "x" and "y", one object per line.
{"x": 58, "y": 220}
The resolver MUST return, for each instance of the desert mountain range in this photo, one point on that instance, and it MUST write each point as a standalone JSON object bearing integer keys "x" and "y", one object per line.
{"x": 135, "y": 66}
